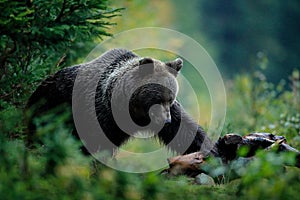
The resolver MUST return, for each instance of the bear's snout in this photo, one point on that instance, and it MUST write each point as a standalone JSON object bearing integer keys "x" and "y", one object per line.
{"x": 160, "y": 114}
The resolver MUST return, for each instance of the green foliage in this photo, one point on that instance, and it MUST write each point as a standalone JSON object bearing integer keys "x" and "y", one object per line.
{"x": 36, "y": 38}
{"x": 258, "y": 105}
{"x": 265, "y": 178}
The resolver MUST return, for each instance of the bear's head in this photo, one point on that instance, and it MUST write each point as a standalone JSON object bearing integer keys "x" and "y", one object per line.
{"x": 156, "y": 91}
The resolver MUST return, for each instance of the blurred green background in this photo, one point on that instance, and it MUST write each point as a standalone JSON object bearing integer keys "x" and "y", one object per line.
{"x": 254, "y": 44}
{"x": 237, "y": 34}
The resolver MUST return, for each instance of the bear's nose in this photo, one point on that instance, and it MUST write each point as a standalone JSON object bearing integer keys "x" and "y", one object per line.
{"x": 168, "y": 121}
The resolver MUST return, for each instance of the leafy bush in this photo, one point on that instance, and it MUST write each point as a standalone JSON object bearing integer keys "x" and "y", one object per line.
{"x": 36, "y": 38}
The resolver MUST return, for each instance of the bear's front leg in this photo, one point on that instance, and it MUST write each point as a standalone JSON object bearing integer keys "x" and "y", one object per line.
{"x": 183, "y": 134}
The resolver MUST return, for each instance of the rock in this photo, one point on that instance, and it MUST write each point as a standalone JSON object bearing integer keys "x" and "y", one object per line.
{"x": 204, "y": 179}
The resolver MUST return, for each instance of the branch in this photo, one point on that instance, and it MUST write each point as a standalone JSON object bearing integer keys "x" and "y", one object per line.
{"x": 228, "y": 146}
{"x": 61, "y": 14}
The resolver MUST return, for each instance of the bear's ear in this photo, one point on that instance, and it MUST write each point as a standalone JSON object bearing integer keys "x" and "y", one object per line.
{"x": 146, "y": 66}
{"x": 145, "y": 61}
{"x": 176, "y": 65}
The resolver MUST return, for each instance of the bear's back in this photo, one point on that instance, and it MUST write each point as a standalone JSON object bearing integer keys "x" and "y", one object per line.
{"x": 112, "y": 59}
{"x": 58, "y": 87}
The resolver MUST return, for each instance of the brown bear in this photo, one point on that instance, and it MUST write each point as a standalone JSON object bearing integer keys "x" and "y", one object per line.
{"x": 130, "y": 94}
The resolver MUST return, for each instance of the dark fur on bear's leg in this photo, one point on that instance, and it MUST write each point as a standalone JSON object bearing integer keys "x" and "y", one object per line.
{"x": 184, "y": 135}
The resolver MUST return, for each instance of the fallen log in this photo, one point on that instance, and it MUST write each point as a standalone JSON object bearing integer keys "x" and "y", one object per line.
{"x": 227, "y": 151}
{"x": 188, "y": 164}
